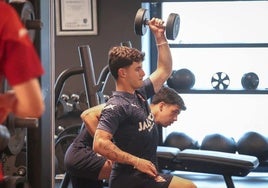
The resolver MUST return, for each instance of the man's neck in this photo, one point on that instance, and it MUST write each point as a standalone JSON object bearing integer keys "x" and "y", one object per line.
{"x": 124, "y": 88}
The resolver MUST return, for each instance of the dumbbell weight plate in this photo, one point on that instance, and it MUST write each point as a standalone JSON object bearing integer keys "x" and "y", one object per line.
{"x": 172, "y": 26}
{"x": 16, "y": 141}
{"x": 4, "y": 137}
{"x": 140, "y": 26}
{"x": 17, "y": 136}
{"x": 220, "y": 80}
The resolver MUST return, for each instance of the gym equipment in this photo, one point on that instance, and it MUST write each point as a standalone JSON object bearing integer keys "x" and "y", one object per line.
{"x": 15, "y": 170}
{"x": 180, "y": 140}
{"x": 250, "y": 80}
{"x": 79, "y": 105}
{"x": 17, "y": 129}
{"x": 93, "y": 96}
{"x": 4, "y": 137}
{"x": 15, "y": 164}
{"x": 16, "y": 176}
{"x": 70, "y": 104}
{"x": 93, "y": 92}
{"x": 220, "y": 80}
{"x": 172, "y": 24}
{"x": 126, "y": 43}
{"x": 203, "y": 161}
{"x": 26, "y": 12}
{"x": 218, "y": 142}
{"x": 181, "y": 79}
{"x": 255, "y": 144}
{"x": 64, "y": 106}
{"x": 73, "y": 129}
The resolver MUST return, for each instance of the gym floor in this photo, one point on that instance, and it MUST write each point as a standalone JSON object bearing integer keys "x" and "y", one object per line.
{"x": 253, "y": 179}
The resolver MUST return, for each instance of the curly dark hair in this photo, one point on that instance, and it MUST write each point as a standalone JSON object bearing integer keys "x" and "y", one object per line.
{"x": 169, "y": 96}
{"x": 123, "y": 56}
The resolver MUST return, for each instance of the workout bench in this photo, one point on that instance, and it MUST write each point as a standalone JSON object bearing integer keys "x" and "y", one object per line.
{"x": 204, "y": 161}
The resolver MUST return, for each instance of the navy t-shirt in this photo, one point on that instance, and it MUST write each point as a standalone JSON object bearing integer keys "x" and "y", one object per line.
{"x": 129, "y": 119}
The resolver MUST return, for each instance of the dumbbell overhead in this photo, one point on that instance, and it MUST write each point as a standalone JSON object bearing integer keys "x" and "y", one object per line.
{"x": 172, "y": 24}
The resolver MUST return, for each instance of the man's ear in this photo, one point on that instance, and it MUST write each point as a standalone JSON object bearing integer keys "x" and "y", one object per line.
{"x": 122, "y": 72}
{"x": 161, "y": 106}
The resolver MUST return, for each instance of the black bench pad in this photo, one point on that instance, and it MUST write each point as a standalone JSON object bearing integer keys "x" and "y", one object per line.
{"x": 204, "y": 161}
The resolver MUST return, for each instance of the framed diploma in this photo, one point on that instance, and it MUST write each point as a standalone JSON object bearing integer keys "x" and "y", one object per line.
{"x": 76, "y": 17}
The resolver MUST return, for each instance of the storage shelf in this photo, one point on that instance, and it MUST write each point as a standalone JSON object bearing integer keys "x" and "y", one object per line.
{"x": 226, "y": 91}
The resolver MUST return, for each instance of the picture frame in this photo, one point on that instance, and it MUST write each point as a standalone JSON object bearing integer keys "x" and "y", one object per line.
{"x": 77, "y": 17}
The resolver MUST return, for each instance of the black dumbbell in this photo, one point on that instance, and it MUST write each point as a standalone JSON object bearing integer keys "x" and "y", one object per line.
{"x": 172, "y": 24}
{"x": 64, "y": 106}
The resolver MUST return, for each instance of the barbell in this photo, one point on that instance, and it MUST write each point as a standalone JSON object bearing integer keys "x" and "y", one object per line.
{"x": 172, "y": 24}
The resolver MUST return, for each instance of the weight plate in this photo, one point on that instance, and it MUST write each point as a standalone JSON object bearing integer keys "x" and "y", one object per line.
{"x": 172, "y": 26}
{"x": 13, "y": 165}
{"x": 4, "y": 137}
{"x": 16, "y": 141}
{"x": 220, "y": 80}
{"x": 140, "y": 22}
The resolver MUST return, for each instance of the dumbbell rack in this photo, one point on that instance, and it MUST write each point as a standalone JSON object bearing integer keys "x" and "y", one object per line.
{"x": 93, "y": 89}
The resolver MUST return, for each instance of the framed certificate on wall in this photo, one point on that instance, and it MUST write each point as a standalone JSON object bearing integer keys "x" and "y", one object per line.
{"x": 76, "y": 17}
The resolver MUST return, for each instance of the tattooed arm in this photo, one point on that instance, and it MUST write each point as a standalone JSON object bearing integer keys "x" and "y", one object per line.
{"x": 103, "y": 145}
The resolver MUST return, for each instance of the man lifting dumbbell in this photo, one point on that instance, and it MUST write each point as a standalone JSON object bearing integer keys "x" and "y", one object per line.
{"x": 128, "y": 121}
{"x": 84, "y": 165}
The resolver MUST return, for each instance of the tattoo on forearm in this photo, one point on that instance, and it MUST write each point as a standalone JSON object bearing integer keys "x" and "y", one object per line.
{"x": 114, "y": 153}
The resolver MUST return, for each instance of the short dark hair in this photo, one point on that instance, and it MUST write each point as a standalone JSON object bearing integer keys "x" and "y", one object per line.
{"x": 123, "y": 56}
{"x": 169, "y": 96}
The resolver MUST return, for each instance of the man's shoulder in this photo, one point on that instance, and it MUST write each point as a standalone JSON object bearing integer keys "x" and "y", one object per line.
{"x": 118, "y": 104}
{"x": 121, "y": 98}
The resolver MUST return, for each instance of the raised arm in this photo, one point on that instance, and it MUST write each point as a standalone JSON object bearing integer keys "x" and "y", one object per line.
{"x": 164, "y": 59}
{"x": 91, "y": 118}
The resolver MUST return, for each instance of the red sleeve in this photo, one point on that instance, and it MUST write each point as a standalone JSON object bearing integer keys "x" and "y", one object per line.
{"x": 19, "y": 60}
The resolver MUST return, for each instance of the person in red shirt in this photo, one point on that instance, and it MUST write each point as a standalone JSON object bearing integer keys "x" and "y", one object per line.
{"x": 20, "y": 66}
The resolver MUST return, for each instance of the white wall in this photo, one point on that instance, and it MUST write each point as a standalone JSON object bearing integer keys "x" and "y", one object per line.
{"x": 231, "y": 115}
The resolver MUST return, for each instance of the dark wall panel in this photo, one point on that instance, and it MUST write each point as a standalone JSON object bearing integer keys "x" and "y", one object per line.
{"x": 115, "y": 24}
